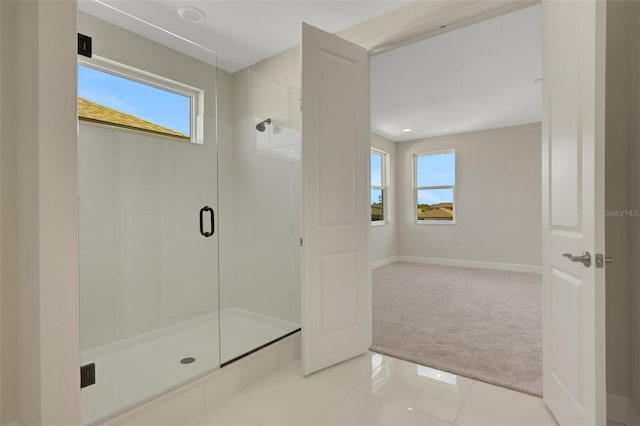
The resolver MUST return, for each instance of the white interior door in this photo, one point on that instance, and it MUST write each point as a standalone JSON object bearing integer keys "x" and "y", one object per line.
{"x": 573, "y": 210}
{"x": 336, "y": 287}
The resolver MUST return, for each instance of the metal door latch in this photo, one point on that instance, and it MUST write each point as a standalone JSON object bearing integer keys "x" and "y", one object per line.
{"x": 601, "y": 259}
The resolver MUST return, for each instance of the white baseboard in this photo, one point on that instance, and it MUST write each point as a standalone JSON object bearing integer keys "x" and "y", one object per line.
{"x": 457, "y": 262}
{"x": 383, "y": 262}
{"x": 618, "y": 408}
{"x": 515, "y": 267}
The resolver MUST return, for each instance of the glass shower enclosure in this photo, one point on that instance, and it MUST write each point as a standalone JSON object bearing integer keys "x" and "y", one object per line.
{"x": 189, "y": 231}
{"x": 260, "y": 183}
{"x": 147, "y": 171}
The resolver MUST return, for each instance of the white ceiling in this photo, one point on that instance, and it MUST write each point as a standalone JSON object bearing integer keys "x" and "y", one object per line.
{"x": 241, "y": 32}
{"x": 479, "y": 77}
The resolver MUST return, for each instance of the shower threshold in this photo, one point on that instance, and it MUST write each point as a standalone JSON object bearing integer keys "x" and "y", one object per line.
{"x": 239, "y": 357}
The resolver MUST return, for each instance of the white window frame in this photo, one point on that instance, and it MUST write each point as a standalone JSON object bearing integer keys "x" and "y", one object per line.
{"x": 196, "y": 113}
{"x": 417, "y": 188}
{"x": 382, "y": 187}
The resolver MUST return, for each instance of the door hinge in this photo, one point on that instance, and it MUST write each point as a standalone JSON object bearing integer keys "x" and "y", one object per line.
{"x": 84, "y": 45}
{"x": 87, "y": 375}
{"x": 300, "y": 241}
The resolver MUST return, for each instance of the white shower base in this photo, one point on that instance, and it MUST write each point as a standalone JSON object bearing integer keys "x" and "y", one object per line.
{"x": 137, "y": 369}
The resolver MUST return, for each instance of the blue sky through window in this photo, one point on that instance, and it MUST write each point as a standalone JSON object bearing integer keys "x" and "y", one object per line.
{"x": 376, "y": 169}
{"x": 150, "y": 103}
{"x": 376, "y": 176}
{"x": 435, "y": 170}
{"x": 435, "y": 196}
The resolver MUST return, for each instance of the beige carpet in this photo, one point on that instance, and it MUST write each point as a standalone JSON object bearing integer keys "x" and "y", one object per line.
{"x": 477, "y": 323}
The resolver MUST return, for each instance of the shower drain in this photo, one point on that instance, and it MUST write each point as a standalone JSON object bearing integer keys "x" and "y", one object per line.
{"x": 187, "y": 360}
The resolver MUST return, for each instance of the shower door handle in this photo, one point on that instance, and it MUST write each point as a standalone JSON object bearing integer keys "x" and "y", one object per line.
{"x": 207, "y": 209}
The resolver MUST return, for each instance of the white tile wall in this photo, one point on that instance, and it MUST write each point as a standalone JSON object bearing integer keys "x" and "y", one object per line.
{"x": 264, "y": 259}
{"x": 143, "y": 263}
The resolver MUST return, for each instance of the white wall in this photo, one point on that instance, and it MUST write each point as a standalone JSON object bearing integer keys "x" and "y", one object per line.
{"x": 383, "y": 241}
{"x": 634, "y": 203}
{"x": 1, "y": 138}
{"x": 1, "y": 119}
{"x": 498, "y": 198}
{"x": 283, "y": 67}
{"x": 28, "y": 242}
{"x": 616, "y": 199}
{"x": 623, "y": 195}
{"x": 8, "y": 218}
{"x": 40, "y": 370}
{"x": 57, "y": 238}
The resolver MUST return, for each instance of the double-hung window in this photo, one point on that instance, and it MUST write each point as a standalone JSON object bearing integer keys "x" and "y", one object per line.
{"x": 378, "y": 160}
{"x": 435, "y": 187}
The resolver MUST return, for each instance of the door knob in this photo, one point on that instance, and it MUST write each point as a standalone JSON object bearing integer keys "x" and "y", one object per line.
{"x": 585, "y": 258}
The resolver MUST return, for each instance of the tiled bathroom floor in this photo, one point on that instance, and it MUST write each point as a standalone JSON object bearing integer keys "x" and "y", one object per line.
{"x": 375, "y": 390}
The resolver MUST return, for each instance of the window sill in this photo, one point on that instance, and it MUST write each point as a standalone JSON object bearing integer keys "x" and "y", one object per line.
{"x": 434, "y": 222}
{"x": 380, "y": 223}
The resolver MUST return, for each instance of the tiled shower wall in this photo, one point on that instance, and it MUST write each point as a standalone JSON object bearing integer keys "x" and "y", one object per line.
{"x": 143, "y": 263}
{"x": 260, "y": 202}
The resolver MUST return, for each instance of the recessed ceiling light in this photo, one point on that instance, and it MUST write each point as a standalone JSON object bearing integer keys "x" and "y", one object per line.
{"x": 192, "y": 14}
{"x": 406, "y": 130}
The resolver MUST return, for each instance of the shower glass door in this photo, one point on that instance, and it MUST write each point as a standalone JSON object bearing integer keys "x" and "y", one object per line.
{"x": 148, "y": 248}
{"x": 260, "y": 195}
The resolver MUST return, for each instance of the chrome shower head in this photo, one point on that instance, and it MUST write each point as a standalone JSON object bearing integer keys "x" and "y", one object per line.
{"x": 261, "y": 126}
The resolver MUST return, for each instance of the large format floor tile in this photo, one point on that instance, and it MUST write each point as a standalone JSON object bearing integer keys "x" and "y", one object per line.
{"x": 429, "y": 391}
{"x": 495, "y": 406}
{"x": 288, "y": 398}
{"x": 355, "y": 370}
{"x": 359, "y": 408}
{"x": 372, "y": 390}
{"x": 220, "y": 415}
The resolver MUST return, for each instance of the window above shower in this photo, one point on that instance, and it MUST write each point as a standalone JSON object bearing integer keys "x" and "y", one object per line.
{"x": 114, "y": 95}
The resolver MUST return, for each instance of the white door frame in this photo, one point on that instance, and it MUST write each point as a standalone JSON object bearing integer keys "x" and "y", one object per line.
{"x": 454, "y": 18}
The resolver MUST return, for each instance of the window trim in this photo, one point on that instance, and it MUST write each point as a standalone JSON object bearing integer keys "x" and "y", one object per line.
{"x": 417, "y": 188}
{"x": 196, "y": 113}
{"x": 383, "y": 187}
